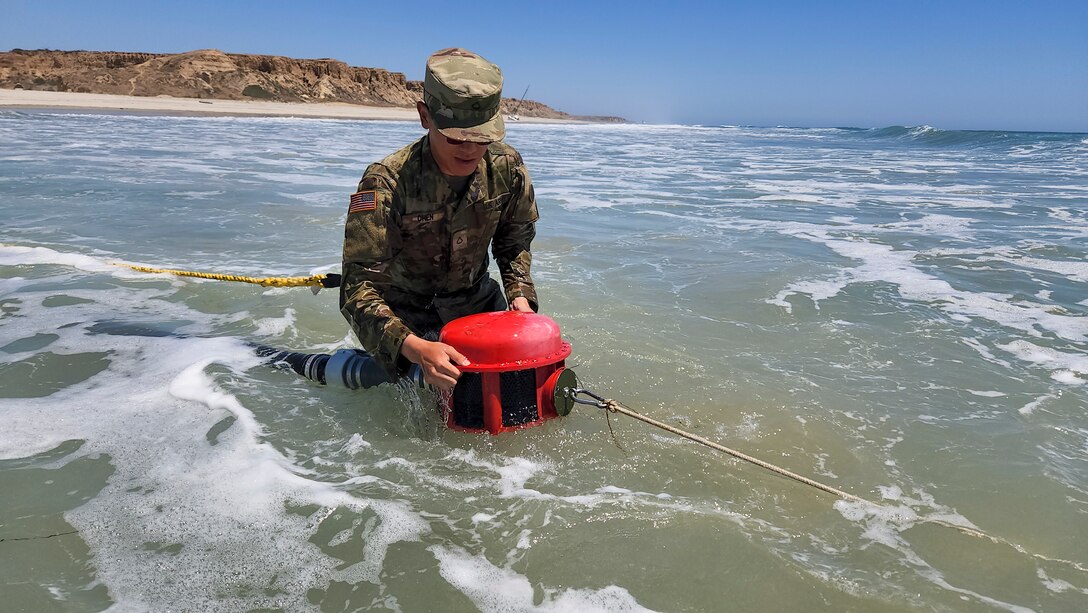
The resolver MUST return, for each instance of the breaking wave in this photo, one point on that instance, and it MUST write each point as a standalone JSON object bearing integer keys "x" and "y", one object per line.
{"x": 928, "y": 135}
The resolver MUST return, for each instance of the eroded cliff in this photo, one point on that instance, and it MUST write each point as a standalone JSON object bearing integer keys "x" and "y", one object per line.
{"x": 209, "y": 73}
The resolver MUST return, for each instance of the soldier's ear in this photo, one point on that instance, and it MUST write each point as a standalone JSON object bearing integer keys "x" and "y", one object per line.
{"x": 424, "y": 115}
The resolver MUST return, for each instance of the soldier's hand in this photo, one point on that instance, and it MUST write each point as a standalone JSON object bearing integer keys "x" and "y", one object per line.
{"x": 438, "y": 361}
{"x": 521, "y": 303}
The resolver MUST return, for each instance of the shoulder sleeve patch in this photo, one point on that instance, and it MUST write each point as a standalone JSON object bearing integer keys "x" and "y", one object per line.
{"x": 362, "y": 201}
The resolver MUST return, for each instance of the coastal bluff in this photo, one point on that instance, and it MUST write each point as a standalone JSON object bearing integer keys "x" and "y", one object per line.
{"x": 215, "y": 75}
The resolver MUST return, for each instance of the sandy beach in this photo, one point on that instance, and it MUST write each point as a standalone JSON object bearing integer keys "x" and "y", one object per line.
{"x": 28, "y": 99}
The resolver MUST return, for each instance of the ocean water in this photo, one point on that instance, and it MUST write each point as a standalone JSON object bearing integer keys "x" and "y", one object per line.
{"x": 900, "y": 313}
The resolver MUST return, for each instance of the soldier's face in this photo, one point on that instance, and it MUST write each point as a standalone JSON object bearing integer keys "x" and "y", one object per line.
{"x": 455, "y": 158}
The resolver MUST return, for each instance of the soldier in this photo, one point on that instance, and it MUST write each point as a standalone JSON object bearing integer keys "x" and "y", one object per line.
{"x": 420, "y": 222}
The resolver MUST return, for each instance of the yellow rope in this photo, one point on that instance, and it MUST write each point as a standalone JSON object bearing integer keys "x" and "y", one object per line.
{"x": 311, "y": 281}
{"x": 613, "y": 406}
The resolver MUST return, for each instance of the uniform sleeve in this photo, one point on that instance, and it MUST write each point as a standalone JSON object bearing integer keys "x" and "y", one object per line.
{"x": 371, "y": 239}
{"x": 515, "y": 232}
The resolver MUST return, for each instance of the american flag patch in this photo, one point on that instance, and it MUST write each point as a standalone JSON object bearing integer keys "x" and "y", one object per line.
{"x": 362, "y": 201}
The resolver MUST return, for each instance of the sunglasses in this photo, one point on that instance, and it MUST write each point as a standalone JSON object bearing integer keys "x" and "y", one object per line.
{"x": 456, "y": 143}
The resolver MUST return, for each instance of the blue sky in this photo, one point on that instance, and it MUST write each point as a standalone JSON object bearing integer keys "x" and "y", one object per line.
{"x": 951, "y": 64}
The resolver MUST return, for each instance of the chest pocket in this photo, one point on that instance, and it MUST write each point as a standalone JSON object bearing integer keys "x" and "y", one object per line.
{"x": 471, "y": 236}
{"x": 490, "y": 211}
{"x": 423, "y": 240}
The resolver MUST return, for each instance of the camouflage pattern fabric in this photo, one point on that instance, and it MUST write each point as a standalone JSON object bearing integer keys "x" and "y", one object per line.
{"x": 416, "y": 256}
{"x": 463, "y": 92}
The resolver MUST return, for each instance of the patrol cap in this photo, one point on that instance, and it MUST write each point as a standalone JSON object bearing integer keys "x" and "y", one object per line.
{"x": 462, "y": 91}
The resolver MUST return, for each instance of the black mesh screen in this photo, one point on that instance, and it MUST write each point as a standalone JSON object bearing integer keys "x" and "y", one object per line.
{"x": 468, "y": 401}
{"x": 518, "y": 397}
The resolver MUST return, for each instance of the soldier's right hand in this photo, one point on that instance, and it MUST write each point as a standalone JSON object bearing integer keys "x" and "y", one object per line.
{"x": 438, "y": 361}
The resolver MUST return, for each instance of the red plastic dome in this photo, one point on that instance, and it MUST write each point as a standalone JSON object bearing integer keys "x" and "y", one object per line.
{"x": 506, "y": 340}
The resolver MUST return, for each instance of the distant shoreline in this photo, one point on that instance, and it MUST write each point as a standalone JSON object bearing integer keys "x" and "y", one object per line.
{"x": 168, "y": 105}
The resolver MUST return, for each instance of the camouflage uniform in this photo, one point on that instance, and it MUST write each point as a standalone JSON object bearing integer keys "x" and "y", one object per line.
{"x": 415, "y": 256}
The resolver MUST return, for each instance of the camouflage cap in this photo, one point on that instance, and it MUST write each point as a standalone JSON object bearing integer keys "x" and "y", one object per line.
{"x": 462, "y": 91}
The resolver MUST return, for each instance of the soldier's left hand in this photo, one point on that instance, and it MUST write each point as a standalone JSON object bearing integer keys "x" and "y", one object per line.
{"x": 521, "y": 304}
